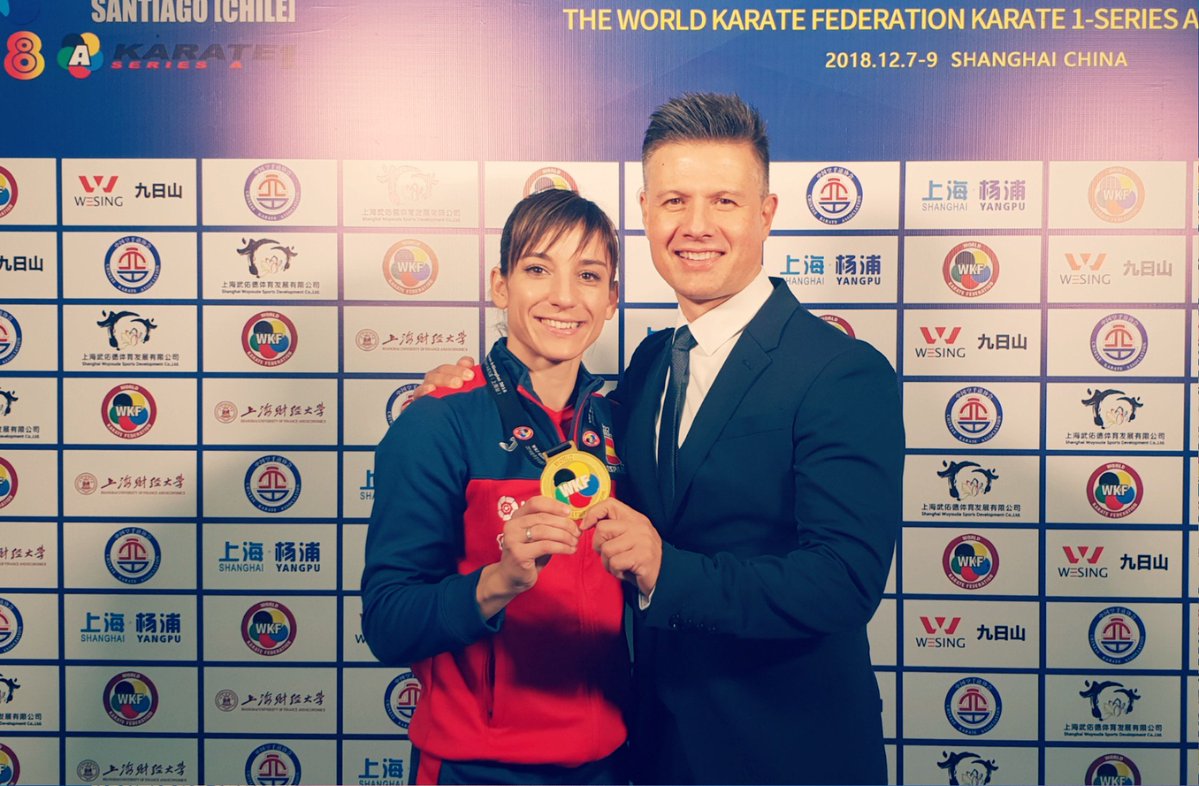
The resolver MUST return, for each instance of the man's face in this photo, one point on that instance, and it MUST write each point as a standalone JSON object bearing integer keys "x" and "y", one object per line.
{"x": 706, "y": 217}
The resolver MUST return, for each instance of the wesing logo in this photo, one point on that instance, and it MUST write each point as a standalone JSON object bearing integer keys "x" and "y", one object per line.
{"x": 11, "y": 626}
{"x": 8, "y": 483}
{"x": 970, "y": 561}
{"x": 8, "y": 192}
{"x": 268, "y": 628}
{"x": 10, "y": 766}
{"x": 940, "y": 342}
{"x": 940, "y": 633}
{"x": 1115, "y": 490}
{"x": 1113, "y": 769}
{"x": 272, "y": 484}
{"x": 132, "y": 264}
{"x": 1084, "y": 269}
{"x": 1083, "y": 563}
{"x": 973, "y": 706}
{"x": 834, "y": 195}
{"x": 272, "y": 764}
{"x": 973, "y": 415}
{"x": 1116, "y": 194}
{"x": 10, "y": 337}
{"x": 272, "y": 192}
{"x": 132, "y": 555}
{"x": 549, "y": 177}
{"x": 269, "y": 338}
{"x": 130, "y": 698}
{"x": 24, "y": 59}
{"x": 410, "y": 267}
{"x": 266, "y": 256}
{"x": 401, "y": 697}
{"x": 971, "y": 269}
{"x": 976, "y": 482}
{"x": 1119, "y": 342}
{"x": 1117, "y": 635}
{"x": 967, "y": 768}
{"x": 80, "y": 55}
{"x": 98, "y": 192}
{"x": 1109, "y": 699}
{"x": 128, "y": 411}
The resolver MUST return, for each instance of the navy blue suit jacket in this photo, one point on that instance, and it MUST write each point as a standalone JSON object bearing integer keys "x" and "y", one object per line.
{"x": 752, "y": 663}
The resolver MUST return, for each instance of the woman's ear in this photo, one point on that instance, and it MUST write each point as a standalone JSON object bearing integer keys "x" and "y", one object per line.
{"x": 499, "y": 288}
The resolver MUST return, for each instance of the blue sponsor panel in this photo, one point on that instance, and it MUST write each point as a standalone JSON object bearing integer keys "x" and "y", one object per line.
{"x": 129, "y": 192}
{"x": 264, "y": 629}
{"x": 1114, "y": 490}
{"x": 29, "y": 264}
{"x": 123, "y": 699}
{"x": 270, "y": 761}
{"x": 425, "y": 194}
{"x": 968, "y": 560}
{"x": 269, "y": 411}
{"x": 123, "y": 483}
{"x": 28, "y": 191}
{"x": 255, "y": 484}
{"x": 965, "y": 633}
{"x": 1111, "y": 764}
{"x": 981, "y": 765}
{"x": 1117, "y": 195}
{"x": 376, "y": 762}
{"x": 263, "y": 557}
{"x": 972, "y": 269}
{"x": 972, "y": 414}
{"x": 131, "y": 626}
{"x": 113, "y": 760}
{"x": 1113, "y": 563}
{"x": 29, "y": 554}
{"x": 253, "y": 265}
{"x": 1114, "y": 635}
{"x": 507, "y": 182}
{"x": 287, "y": 701}
{"x": 27, "y": 627}
{"x": 269, "y": 192}
{"x": 1111, "y": 708}
{"x": 29, "y": 699}
{"x": 973, "y": 194}
{"x": 143, "y": 557}
{"x": 970, "y": 706}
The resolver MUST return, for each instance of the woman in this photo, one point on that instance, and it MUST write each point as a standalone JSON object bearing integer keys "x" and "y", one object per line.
{"x": 485, "y": 586}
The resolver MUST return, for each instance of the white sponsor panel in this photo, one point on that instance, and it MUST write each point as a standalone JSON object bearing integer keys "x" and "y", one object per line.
{"x": 1113, "y": 563}
{"x": 410, "y": 193}
{"x": 109, "y": 760}
{"x": 269, "y": 192}
{"x": 261, "y": 263}
{"x": 162, "y": 699}
{"x": 1193, "y": 694}
{"x": 274, "y": 411}
{"x": 641, "y": 282}
{"x": 1110, "y": 764}
{"x": 372, "y": 405}
{"x": 1118, "y": 642}
{"x": 967, "y": 706}
{"x": 266, "y": 557}
{"x": 353, "y": 556}
{"x": 28, "y": 626}
{"x": 120, "y": 556}
{"x": 881, "y": 631}
{"x": 129, "y": 337}
{"x": 965, "y": 415}
{"x": 892, "y": 754}
{"x": 36, "y": 181}
{"x": 847, "y": 196}
{"x": 1191, "y": 775}
{"x": 353, "y": 641}
{"x": 28, "y": 479}
{"x": 132, "y": 626}
{"x": 602, "y": 357}
{"x": 1116, "y": 414}
{"x": 836, "y": 268}
{"x": 376, "y": 762}
{"x": 28, "y": 262}
{"x": 36, "y": 756}
{"x": 369, "y": 696}
{"x": 886, "y": 689}
{"x": 1117, "y": 194}
{"x": 129, "y": 265}
{"x": 283, "y": 340}
{"x": 28, "y": 338}
{"x": 889, "y": 587}
{"x": 29, "y": 695}
{"x": 129, "y": 191}
{"x": 129, "y": 411}
{"x": 31, "y": 407}
{"x": 973, "y": 194}
{"x": 28, "y": 554}
{"x": 408, "y": 340}
{"x": 507, "y": 182}
{"x": 1117, "y": 341}
{"x": 259, "y": 628}
{"x": 960, "y": 342}
{"x": 1113, "y": 490}
{"x": 291, "y": 484}
{"x": 953, "y": 634}
{"x": 1116, "y": 269}
{"x": 150, "y": 483}
{"x": 969, "y": 561}
{"x": 970, "y": 763}
{"x": 965, "y": 269}
{"x": 286, "y": 701}
{"x": 270, "y": 760}
{"x": 1102, "y": 707}
{"x": 639, "y": 323}
{"x": 358, "y": 483}
{"x": 971, "y": 488}
{"x": 877, "y": 327}
{"x": 406, "y": 267}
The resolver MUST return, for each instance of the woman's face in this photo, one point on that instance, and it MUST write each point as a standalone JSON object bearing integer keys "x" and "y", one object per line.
{"x": 558, "y": 298}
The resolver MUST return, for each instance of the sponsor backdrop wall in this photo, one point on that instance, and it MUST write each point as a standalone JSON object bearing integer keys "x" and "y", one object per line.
{"x": 234, "y": 233}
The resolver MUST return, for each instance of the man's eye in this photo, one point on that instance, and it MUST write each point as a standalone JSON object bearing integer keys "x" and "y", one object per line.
{"x": 674, "y": 201}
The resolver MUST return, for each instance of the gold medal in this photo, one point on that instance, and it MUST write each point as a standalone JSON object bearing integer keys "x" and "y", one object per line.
{"x": 577, "y": 479}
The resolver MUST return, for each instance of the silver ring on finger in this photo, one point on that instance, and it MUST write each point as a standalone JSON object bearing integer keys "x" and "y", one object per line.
{"x": 528, "y": 534}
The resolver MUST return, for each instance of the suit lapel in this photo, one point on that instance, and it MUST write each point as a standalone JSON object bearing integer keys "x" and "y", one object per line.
{"x": 640, "y": 439}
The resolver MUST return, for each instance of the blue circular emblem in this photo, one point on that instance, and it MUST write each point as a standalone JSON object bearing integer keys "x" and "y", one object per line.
{"x": 1119, "y": 342}
{"x": 10, "y": 337}
{"x": 272, "y": 764}
{"x": 132, "y": 264}
{"x": 11, "y": 626}
{"x": 132, "y": 555}
{"x": 400, "y": 398}
{"x": 272, "y": 484}
{"x": 973, "y": 415}
{"x": 834, "y": 195}
{"x": 1117, "y": 635}
{"x": 973, "y": 706}
{"x": 272, "y": 192}
{"x": 401, "y": 697}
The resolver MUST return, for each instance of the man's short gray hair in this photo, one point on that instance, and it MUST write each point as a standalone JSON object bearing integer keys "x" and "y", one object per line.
{"x": 708, "y": 117}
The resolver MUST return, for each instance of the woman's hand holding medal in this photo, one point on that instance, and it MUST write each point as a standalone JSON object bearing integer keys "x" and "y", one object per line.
{"x": 539, "y": 529}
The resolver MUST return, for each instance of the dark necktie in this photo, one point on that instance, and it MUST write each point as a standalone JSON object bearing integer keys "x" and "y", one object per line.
{"x": 672, "y": 412}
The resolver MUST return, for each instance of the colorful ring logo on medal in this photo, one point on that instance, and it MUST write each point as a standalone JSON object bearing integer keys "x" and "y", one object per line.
{"x": 1119, "y": 342}
{"x": 80, "y": 54}
{"x": 970, "y": 269}
{"x": 591, "y": 439}
{"x": 839, "y": 323}
{"x": 401, "y": 697}
{"x": 132, "y": 264}
{"x": 8, "y": 483}
{"x": 1117, "y": 635}
{"x": 400, "y": 398}
{"x": 973, "y": 706}
{"x": 970, "y": 561}
{"x": 10, "y": 766}
{"x": 268, "y": 628}
{"x": 410, "y": 267}
{"x": 130, "y": 698}
{"x": 132, "y": 555}
{"x": 550, "y": 177}
{"x": 8, "y": 192}
{"x": 23, "y": 58}
{"x": 272, "y": 192}
{"x": 272, "y": 484}
{"x": 128, "y": 411}
{"x": 1113, "y": 768}
{"x": 1115, "y": 490}
{"x": 834, "y": 195}
{"x": 11, "y": 626}
{"x": 523, "y": 433}
{"x": 272, "y": 764}
{"x": 1116, "y": 194}
{"x": 575, "y": 484}
{"x": 10, "y": 337}
{"x": 269, "y": 338}
{"x": 973, "y": 415}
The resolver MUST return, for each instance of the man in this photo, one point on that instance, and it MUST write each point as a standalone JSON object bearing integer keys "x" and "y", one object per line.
{"x": 768, "y": 513}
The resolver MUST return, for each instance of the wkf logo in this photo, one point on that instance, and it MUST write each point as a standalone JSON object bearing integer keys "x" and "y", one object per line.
{"x": 1117, "y": 635}
{"x": 401, "y": 697}
{"x": 128, "y": 411}
{"x": 834, "y": 195}
{"x": 132, "y": 264}
{"x": 1113, "y": 768}
{"x": 268, "y": 628}
{"x": 549, "y": 177}
{"x": 132, "y": 555}
{"x": 8, "y": 192}
{"x": 1116, "y": 194}
{"x": 1119, "y": 342}
{"x": 970, "y": 561}
{"x": 10, "y": 337}
{"x": 410, "y": 267}
{"x": 973, "y": 706}
{"x": 1115, "y": 490}
{"x": 269, "y": 338}
{"x": 970, "y": 269}
{"x": 11, "y": 626}
{"x": 272, "y": 192}
{"x": 839, "y": 323}
{"x": 973, "y": 415}
{"x": 10, "y": 766}
{"x": 272, "y": 764}
{"x": 8, "y": 483}
{"x": 130, "y": 698}
{"x": 272, "y": 484}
